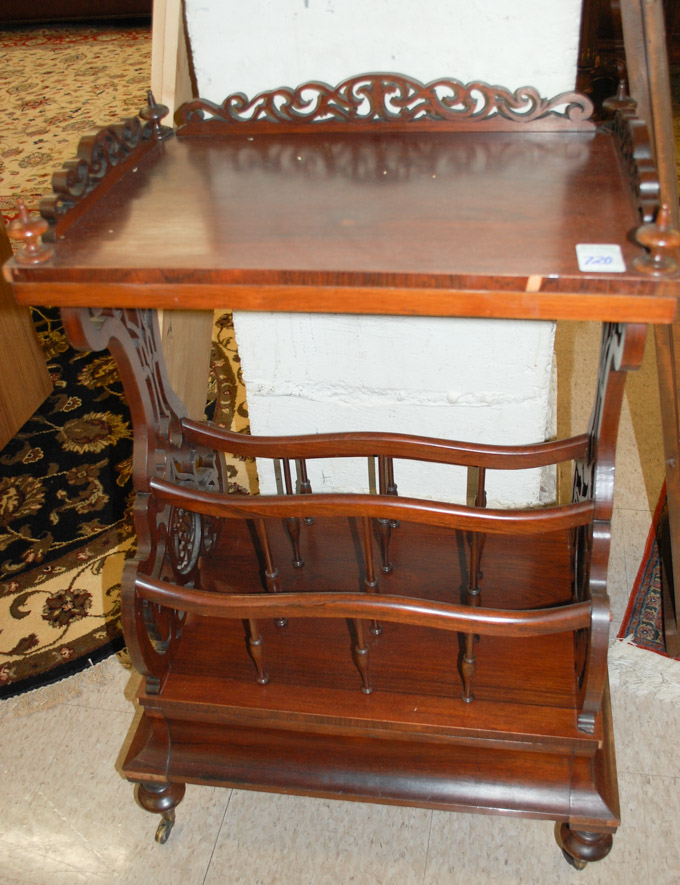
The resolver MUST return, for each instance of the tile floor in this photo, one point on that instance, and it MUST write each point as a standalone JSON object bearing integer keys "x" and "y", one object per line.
{"x": 67, "y": 816}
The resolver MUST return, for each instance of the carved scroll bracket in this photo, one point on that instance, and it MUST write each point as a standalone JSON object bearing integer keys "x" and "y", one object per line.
{"x": 621, "y": 351}
{"x": 102, "y": 158}
{"x": 167, "y": 538}
{"x": 638, "y": 159}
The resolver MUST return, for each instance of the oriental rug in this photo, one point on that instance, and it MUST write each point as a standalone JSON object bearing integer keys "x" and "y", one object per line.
{"x": 642, "y": 623}
{"x": 65, "y": 479}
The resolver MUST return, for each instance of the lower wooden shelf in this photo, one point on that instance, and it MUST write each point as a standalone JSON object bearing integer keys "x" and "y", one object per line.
{"x": 515, "y": 749}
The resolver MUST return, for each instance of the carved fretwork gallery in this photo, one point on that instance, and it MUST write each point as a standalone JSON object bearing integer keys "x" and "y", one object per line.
{"x": 365, "y": 645}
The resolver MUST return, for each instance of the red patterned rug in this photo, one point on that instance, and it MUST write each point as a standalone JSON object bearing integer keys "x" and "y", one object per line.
{"x": 643, "y": 622}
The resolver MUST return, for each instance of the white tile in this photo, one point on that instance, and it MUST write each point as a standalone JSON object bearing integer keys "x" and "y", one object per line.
{"x": 29, "y": 745}
{"x": 617, "y": 575}
{"x": 660, "y": 798}
{"x": 83, "y": 823}
{"x": 629, "y": 535}
{"x": 645, "y": 735}
{"x": 487, "y": 849}
{"x": 110, "y": 686}
{"x": 271, "y": 839}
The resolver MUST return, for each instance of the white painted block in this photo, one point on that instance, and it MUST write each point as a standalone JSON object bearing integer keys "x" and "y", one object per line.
{"x": 485, "y": 381}
{"x": 474, "y": 380}
{"x": 261, "y": 44}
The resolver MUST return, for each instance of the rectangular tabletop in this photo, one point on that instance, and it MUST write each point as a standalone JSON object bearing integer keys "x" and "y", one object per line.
{"x": 434, "y": 223}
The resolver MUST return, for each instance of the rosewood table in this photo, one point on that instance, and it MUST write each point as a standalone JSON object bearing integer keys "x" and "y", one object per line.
{"x": 351, "y": 645}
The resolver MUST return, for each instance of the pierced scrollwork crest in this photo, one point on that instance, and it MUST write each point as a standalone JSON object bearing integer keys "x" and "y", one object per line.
{"x": 391, "y": 98}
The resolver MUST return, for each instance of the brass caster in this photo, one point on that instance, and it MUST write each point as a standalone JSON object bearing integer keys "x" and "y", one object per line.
{"x": 574, "y": 862}
{"x": 164, "y": 829}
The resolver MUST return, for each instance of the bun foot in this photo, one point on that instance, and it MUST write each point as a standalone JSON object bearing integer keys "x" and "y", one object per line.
{"x": 161, "y": 799}
{"x": 580, "y": 847}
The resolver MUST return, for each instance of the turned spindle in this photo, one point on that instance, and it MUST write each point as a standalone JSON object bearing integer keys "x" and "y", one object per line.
{"x": 255, "y": 646}
{"x": 473, "y": 596}
{"x": 305, "y": 485}
{"x": 385, "y": 525}
{"x": 662, "y": 241}
{"x": 371, "y": 581}
{"x": 292, "y": 522}
{"x": 154, "y": 113}
{"x": 29, "y": 231}
{"x": 469, "y": 668}
{"x": 477, "y": 542}
{"x": 271, "y": 572}
{"x": 361, "y": 653}
{"x": 391, "y": 488}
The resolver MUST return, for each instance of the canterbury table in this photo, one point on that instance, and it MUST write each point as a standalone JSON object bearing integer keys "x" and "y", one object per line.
{"x": 365, "y": 646}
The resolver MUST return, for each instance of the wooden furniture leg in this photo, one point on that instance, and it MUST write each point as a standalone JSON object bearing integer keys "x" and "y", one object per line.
{"x": 161, "y": 799}
{"x": 667, "y": 341}
{"x": 186, "y": 345}
{"x": 579, "y": 847}
{"x": 186, "y": 333}
{"x": 647, "y": 62}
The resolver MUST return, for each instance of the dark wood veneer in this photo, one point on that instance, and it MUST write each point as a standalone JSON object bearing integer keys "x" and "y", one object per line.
{"x": 365, "y": 646}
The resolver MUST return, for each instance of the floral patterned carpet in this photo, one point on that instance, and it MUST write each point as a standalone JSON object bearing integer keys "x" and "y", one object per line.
{"x": 65, "y": 479}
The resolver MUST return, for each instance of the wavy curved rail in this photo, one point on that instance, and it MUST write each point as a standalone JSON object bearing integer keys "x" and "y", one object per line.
{"x": 455, "y": 516}
{"x": 398, "y": 609}
{"x": 395, "y": 445}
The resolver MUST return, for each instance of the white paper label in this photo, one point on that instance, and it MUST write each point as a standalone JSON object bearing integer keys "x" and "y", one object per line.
{"x": 600, "y": 258}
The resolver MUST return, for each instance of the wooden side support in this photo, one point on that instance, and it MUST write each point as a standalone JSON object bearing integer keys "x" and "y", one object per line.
{"x": 176, "y": 472}
{"x": 648, "y": 74}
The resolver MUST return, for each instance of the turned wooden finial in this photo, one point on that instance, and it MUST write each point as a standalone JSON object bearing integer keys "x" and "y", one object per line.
{"x": 29, "y": 231}
{"x": 621, "y": 99}
{"x": 662, "y": 241}
{"x": 154, "y": 113}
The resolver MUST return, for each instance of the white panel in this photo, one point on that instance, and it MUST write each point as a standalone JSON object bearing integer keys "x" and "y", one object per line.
{"x": 486, "y": 381}
{"x": 260, "y": 44}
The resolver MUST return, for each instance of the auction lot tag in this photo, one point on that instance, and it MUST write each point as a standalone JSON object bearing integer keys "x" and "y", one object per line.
{"x": 600, "y": 258}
